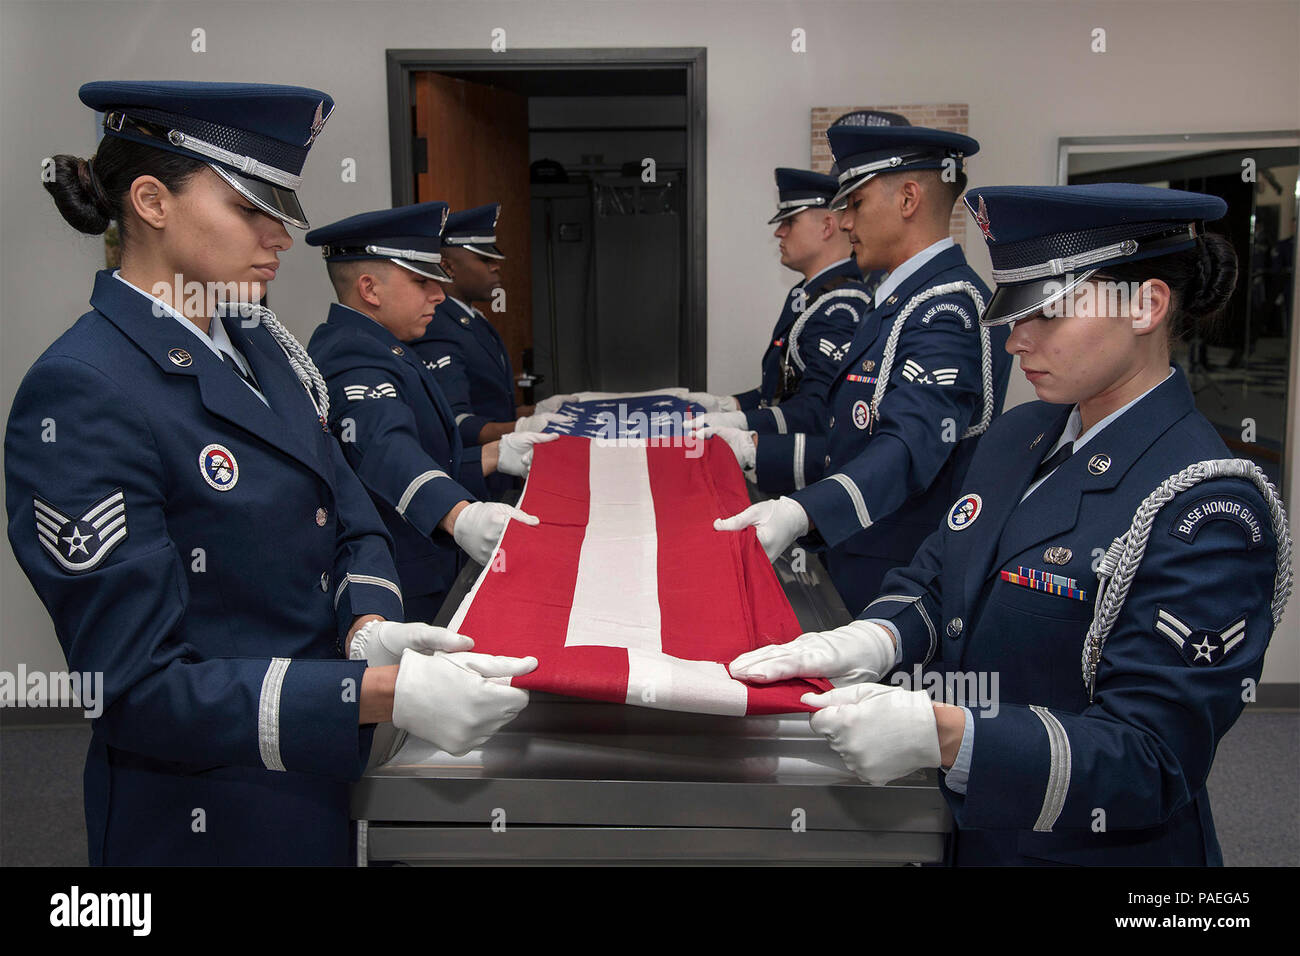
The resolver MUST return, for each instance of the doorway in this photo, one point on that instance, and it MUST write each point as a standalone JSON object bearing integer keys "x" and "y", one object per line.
{"x": 598, "y": 160}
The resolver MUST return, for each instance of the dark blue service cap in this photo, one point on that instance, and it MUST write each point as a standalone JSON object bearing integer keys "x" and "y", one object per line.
{"x": 255, "y": 136}
{"x": 800, "y": 189}
{"x": 407, "y": 236}
{"x": 862, "y": 152}
{"x": 1045, "y": 240}
{"x": 475, "y": 229}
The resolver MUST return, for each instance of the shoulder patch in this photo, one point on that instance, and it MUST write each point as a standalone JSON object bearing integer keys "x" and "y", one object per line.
{"x": 79, "y": 545}
{"x": 831, "y": 349}
{"x": 1203, "y": 646}
{"x": 355, "y": 393}
{"x": 1222, "y": 507}
{"x": 966, "y": 321}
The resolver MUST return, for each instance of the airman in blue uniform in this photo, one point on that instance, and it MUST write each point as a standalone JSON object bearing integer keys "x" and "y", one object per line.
{"x": 177, "y": 502}
{"x": 919, "y": 383}
{"x": 819, "y": 316}
{"x": 1096, "y": 603}
{"x": 464, "y": 351}
{"x": 396, "y": 426}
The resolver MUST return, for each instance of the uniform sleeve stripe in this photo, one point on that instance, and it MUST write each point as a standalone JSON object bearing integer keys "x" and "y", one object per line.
{"x": 1058, "y": 778}
{"x": 855, "y": 495}
{"x": 779, "y": 417}
{"x": 365, "y": 579}
{"x": 929, "y": 626}
{"x": 268, "y": 714}
{"x": 415, "y": 485}
{"x": 800, "y": 443}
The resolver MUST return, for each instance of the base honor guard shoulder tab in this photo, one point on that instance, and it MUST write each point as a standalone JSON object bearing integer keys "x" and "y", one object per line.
{"x": 1196, "y": 515}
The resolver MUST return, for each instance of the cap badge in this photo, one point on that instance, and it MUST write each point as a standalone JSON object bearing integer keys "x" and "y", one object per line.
{"x": 317, "y": 123}
{"x": 982, "y": 220}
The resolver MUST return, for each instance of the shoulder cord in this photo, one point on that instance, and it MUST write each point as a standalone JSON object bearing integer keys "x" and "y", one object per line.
{"x": 1120, "y": 564}
{"x": 301, "y": 362}
{"x": 795, "y": 330}
{"x": 986, "y": 355}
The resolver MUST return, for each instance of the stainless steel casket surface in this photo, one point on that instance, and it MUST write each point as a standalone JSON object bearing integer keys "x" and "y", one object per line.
{"x": 573, "y": 781}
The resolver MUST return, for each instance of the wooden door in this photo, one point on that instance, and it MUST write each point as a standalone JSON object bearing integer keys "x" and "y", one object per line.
{"x": 476, "y": 148}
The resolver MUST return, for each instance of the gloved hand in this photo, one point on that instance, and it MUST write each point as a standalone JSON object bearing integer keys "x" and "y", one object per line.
{"x": 881, "y": 731}
{"x": 479, "y": 527}
{"x": 718, "y": 420}
{"x": 859, "y": 651}
{"x": 380, "y": 643}
{"x": 741, "y": 443}
{"x": 515, "y": 454}
{"x": 553, "y": 403}
{"x": 539, "y": 420}
{"x": 457, "y": 701}
{"x": 714, "y": 403}
{"x": 779, "y": 523}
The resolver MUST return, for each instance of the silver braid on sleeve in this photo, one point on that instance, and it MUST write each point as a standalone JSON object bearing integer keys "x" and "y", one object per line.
{"x": 1123, "y": 557}
{"x": 986, "y": 354}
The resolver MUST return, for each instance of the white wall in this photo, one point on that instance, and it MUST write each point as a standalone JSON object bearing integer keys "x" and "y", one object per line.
{"x": 1025, "y": 68}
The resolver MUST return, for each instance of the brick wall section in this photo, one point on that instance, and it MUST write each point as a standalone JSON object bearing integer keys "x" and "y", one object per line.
{"x": 949, "y": 116}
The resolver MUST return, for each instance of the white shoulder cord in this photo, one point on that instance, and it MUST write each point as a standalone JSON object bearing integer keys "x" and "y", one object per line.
{"x": 986, "y": 355}
{"x": 1120, "y": 564}
{"x": 797, "y": 328}
{"x": 299, "y": 360}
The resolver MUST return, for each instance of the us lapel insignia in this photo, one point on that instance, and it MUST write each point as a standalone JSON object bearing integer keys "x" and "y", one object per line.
{"x": 1099, "y": 464}
{"x": 398, "y": 350}
{"x": 1058, "y": 555}
{"x": 81, "y": 544}
{"x": 1034, "y": 444}
{"x": 180, "y": 357}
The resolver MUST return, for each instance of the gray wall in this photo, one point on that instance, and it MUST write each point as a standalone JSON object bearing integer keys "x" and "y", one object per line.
{"x": 1025, "y": 69}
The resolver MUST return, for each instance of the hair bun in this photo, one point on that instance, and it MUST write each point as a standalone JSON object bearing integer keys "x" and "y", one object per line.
{"x": 1216, "y": 277}
{"x": 78, "y": 197}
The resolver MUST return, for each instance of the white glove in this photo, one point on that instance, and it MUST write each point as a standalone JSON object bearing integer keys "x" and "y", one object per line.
{"x": 778, "y": 524}
{"x": 714, "y": 403}
{"x": 718, "y": 420}
{"x": 740, "y": 441}
{"x": 881, "y": 731}
{"x": 457, "y": 701}
{"x": 515, "y": 453}
{"x": 536, "y": 423}
{"x": 380, "y": 643}
{"x": 553, "y": 403}
{"x": 479, "y": 527}
{"x": 859, "y": 651}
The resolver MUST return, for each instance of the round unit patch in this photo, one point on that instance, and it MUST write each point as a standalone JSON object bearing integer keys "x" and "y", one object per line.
{"x": 964, "y": 512}
{"x": 861, "y": 413}
{"x": 218, "y": 467}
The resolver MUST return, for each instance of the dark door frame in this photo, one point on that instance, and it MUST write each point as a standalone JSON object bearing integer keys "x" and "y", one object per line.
{"x": 402, "y": 63}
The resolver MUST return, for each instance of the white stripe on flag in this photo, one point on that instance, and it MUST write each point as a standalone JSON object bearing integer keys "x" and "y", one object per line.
{"x": 616, "y": 595}
{"x": 670, "y": 683}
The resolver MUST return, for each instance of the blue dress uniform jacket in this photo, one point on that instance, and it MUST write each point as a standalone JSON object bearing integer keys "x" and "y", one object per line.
{"x": 890, "y": 479}
{"x": 810, "y": 352}
{"x": 205, "y": 553}
{"x": 1050, "y": 767}
{"x": 399, "y": 434}
{"x": 468, "y": 357}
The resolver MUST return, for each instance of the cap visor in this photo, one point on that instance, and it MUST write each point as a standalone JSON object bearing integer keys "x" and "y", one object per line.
{"x": 273, "y": 200}
{"x": 1010, "y": 303}
{"x": 490, "y": 251}
{"x": 787, "y": 213}
{"x": 841, "y": 198}
{"x": 430, "y": 270}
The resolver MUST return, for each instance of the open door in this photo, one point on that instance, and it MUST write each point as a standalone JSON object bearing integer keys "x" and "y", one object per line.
{"x": 471, "y": 144}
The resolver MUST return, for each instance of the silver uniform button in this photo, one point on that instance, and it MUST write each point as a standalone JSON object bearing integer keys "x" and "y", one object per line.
{"x": 325, "y": 581}
{"x": 321, "y": 517}
{"x": 831, "y": 423}
{"x": 954, "y": 627}
{"x": 828, "y": 461}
